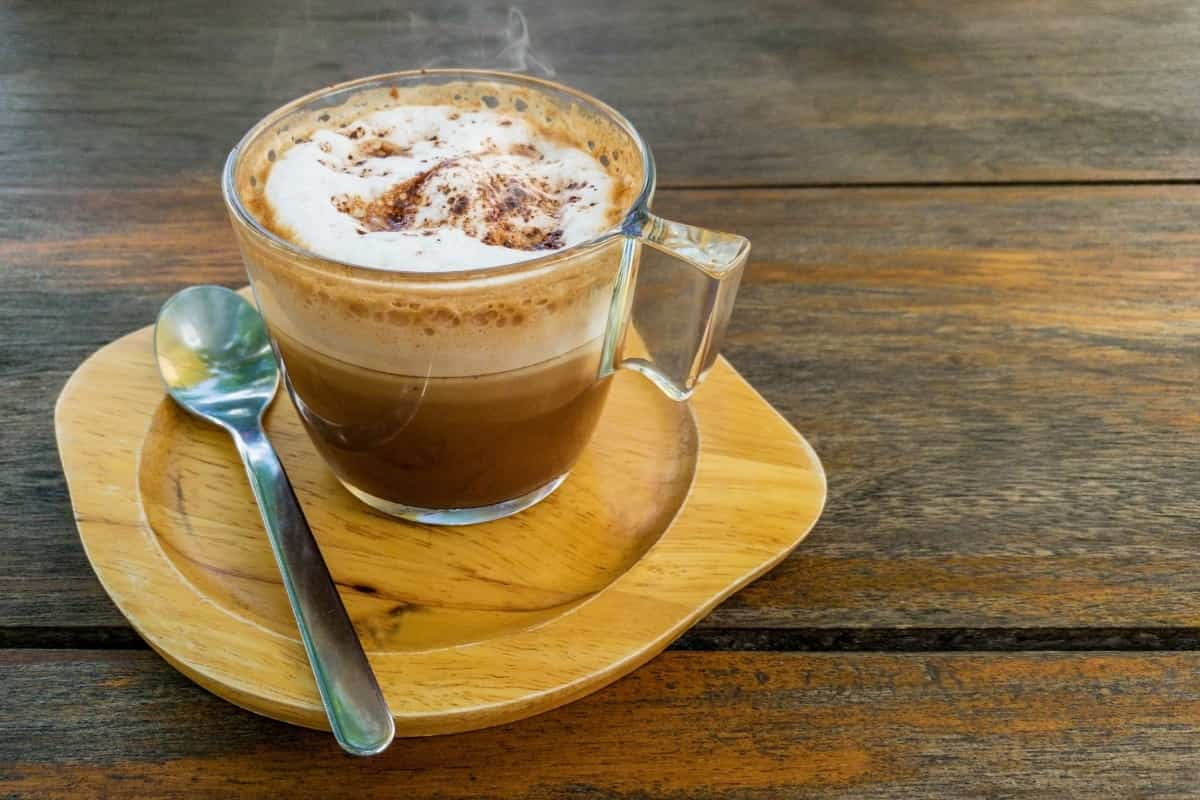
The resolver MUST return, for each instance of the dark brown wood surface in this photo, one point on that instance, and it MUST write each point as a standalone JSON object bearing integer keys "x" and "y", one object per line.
{"x": 771, "y": 92}
{"x": 999, "y": 376}
{"x": 689, "y": 725}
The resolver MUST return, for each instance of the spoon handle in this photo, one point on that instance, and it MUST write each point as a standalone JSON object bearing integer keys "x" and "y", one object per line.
{"x": 358, "y": 713}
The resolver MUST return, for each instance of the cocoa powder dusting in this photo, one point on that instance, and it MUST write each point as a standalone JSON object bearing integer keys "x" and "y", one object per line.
{"x": 526, "y": 150}
{"x": 393, "y": 210}
{"x": 382, "y": 148}
{"x": 553, "y": 241}
{"x": 505, "y": 206}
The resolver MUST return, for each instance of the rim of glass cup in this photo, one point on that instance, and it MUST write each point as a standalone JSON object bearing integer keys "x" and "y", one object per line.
{"x": 522, "y": 268}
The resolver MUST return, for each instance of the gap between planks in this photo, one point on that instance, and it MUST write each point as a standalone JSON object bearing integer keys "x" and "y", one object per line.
{"x": 798, "y": 640}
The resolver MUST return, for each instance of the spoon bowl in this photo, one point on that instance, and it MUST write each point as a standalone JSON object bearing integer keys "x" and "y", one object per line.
{"x": 215, "y": 356}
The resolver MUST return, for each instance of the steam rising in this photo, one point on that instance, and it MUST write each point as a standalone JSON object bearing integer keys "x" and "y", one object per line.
{"x": 514, "y": 55}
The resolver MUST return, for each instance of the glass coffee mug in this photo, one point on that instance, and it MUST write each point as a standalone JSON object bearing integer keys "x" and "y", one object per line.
{"x": 462, "y": 396}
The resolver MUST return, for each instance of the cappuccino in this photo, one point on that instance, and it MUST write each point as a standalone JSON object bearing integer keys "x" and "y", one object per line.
{"x": 426, "y": 394}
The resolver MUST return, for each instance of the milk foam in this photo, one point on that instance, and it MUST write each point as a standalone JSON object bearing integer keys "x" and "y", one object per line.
{"x": 434, "y": 188}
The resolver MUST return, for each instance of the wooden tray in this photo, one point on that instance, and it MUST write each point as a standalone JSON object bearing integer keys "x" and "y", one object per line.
{"x": 672, "y": 509}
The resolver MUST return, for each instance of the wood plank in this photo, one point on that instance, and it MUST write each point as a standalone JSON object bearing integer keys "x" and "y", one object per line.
{"x": 761, "y": 92}
{"x": 688, "y": 725}
{"x": 1001, "y": 386}
{"x": 1000, "y": 383}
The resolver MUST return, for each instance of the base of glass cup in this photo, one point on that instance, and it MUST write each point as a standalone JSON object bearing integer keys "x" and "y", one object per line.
{"x": 458, "y": 516}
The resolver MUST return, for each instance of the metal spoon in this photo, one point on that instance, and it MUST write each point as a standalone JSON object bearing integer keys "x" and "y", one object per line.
{"x": 215, "y": 357}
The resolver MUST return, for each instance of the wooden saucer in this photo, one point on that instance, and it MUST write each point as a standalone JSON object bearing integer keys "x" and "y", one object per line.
{"x": 672, "y": 509}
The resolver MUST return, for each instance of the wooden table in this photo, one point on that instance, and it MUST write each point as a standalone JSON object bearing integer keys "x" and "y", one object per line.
{"x": 974, "y": 288}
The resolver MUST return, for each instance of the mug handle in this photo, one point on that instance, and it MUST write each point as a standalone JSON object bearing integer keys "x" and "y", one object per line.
{"x": 684, "y": 338}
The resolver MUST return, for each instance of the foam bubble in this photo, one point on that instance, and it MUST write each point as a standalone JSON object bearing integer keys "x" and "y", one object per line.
{"x": 433, "y": 188}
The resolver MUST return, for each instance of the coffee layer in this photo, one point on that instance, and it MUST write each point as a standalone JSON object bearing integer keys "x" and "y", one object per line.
{"x": 446, "y": 442}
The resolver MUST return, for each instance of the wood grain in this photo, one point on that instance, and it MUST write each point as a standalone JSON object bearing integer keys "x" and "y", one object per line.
{"x": 1001, "y": 385}
{"x": 464, "y": 628}
{"x": 689, "y": 725}
{"x": 145, "y": 93}
{"x": 997, "y": 381}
